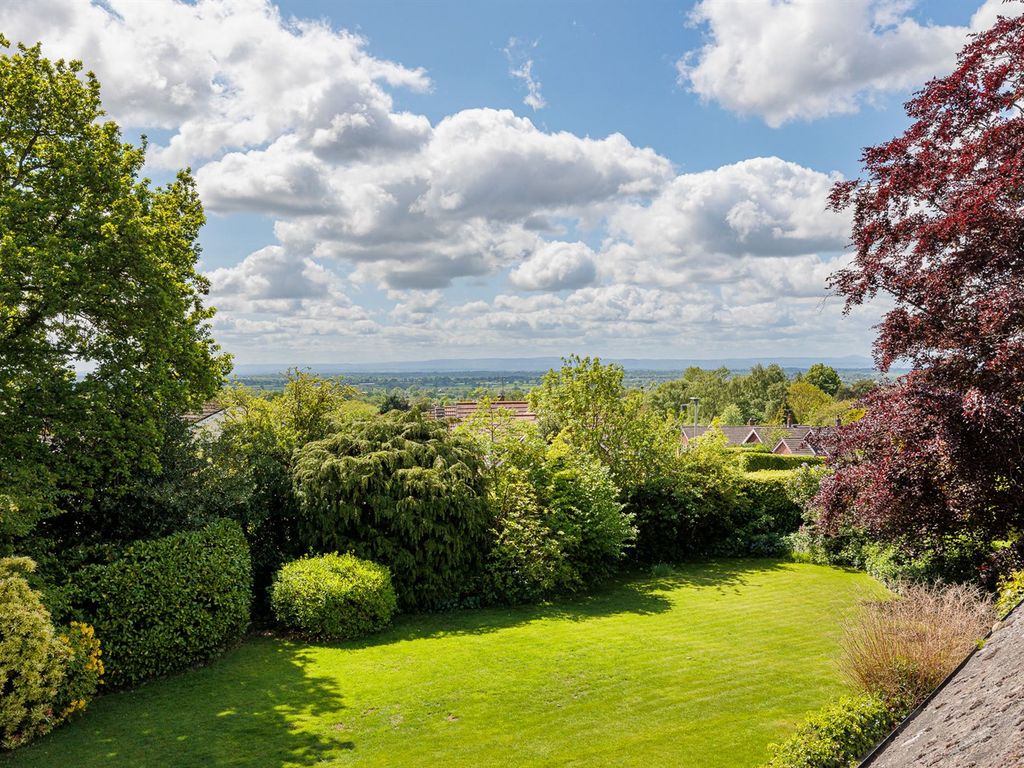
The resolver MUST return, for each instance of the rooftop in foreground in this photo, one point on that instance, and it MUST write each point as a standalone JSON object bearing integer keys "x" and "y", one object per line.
{"x": 977, "y": 719}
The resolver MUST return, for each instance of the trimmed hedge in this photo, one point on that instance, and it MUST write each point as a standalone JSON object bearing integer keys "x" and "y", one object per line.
{"x": 757, "y": 461}
{"x": 837, "y": 736}
{"x": 169, "y": 603}
{"x": 333, "y": 596}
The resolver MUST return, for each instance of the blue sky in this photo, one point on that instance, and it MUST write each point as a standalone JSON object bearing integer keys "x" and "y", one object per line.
{"x": 381, "y": 184}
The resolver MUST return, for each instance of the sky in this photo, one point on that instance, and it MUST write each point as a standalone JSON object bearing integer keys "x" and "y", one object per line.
{"x": 391, "y": 180}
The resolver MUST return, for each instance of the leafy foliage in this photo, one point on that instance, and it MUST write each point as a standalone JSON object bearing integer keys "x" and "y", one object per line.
{"x": 398, "y": 490}
{"x": 169, "y": 603}
{"x": 1011, "y": 593}
{"x": 838, "y": 735}
{"x": 805, "y": 400}
{"x": 585, "y": 510}
{"x": 84, "y": 671}
{"x": 755, "y": 461}
{"x": 333, "y": 596}
{"x": 823, "y": 377}
{"x": 250, "y": 474}
{"x": 32, "y": 658}
{"x": 937, "y": 225}
{"x": 98, "y": 267}
{"x": 595, "y": 414}
{"x": 526, "y": 561}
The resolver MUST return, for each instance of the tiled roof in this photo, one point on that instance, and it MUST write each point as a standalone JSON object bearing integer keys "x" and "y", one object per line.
{"x": 457, "y": 412}
{"x": 976, "y": 719}
{"x": 209, "y": 408}
{"x": 733, "y": 435}
{"x": 796, "y": 446}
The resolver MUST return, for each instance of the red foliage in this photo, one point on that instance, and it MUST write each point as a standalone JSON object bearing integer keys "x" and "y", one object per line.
{"x": 938, "y": 227}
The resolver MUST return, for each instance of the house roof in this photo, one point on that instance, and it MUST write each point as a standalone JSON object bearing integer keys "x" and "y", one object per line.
{"x": 976, "y": 718}
{"x": 796, "y": 446}
{"x": 210, "y": 408}
{"x": 456, "y": 412}
{"x": 733, "y": 435}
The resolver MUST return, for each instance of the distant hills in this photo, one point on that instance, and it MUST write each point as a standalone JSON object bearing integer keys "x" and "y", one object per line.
{"x": 540, "y": 364}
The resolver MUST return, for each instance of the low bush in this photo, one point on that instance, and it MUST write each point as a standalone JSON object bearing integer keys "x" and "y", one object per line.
{"x": 32, "y": 658}
{"x": 169, "y": 603}
{"x": 1011, "y": 593}
{"x": 838, "y": 735}
{"x": 902, "y": 649}
{"x": 756, "y": 461}
{"x": 333, "y": 596}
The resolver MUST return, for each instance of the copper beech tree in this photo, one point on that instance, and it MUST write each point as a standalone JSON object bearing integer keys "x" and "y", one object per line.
{"x": 938, "y": 228}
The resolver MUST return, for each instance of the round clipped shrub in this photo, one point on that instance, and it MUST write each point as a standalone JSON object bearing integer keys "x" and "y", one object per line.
{"x": 32, "y": 658}
{"x": 333, "y": 596}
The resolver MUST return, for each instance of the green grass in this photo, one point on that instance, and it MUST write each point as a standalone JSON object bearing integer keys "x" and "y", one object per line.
{"x": 701, "y": 668}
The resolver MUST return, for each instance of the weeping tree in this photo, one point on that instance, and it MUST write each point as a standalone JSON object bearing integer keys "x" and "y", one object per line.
{"x": 402, "y": 491}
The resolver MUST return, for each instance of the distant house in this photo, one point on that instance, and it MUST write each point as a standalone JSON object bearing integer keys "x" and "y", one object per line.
{"x": 208, "y": 418}
{"x": 795, "y": 446}
{"x": 457, "y": 412}
{"x": 771, "y": 435}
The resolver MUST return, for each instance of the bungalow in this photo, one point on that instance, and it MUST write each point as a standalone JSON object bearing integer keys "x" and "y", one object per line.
{"x": 456, "y": 412}
{"x": 754, "y": 434}
{"x": 794, "y": 446}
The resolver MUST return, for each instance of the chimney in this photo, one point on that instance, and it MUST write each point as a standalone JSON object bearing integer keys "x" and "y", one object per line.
{"x": 750, "y": 422}
{"x": 839, "y": 421}
{"x": 789, "y": 418}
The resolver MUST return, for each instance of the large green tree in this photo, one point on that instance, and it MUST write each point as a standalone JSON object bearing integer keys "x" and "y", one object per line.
{"x": 103, "y": 329}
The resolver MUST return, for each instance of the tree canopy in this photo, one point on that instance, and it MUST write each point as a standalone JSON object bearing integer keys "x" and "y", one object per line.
{"x": 103, "y": 329}
{"x": 938, "y": 226}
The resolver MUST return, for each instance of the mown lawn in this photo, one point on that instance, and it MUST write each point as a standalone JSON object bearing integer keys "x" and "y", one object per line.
{"x": 703, "y": 668}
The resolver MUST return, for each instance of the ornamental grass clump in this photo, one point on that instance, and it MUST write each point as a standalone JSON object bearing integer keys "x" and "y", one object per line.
{"x": 333, "y": 596}
{"x": 902, "y": 649}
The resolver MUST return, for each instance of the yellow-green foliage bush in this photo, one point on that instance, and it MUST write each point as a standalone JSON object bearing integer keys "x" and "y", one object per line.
{"x": 32, "y": 658}
{"x": 83, "y": 673}
{"x": 333, "y": 596}
{"x": 1011, "y": 593}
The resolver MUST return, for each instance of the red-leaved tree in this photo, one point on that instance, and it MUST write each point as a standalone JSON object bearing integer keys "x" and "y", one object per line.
{"x": 938, "y": 226}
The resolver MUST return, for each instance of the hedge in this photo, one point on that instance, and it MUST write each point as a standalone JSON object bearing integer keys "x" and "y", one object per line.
{"x": 837, "y": 736}
{"x": 168, "y": 603}
{"x": 756, "y": 461}
{"x": 769, "y": 498}
{"x": 333, "y": 596}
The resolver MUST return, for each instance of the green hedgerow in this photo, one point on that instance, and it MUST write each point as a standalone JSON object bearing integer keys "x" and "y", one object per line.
{"x": 333, "y": 596}
{"x": 168, "y": 603}
{"x": 837, "y": 736}
{"x": 32, "y": 658}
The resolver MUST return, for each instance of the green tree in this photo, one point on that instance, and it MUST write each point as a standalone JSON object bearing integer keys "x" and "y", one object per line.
{"x": 824, "y": 377}
{"x": 103, "y": 331}
{"x": 805, "y": 400}
{"x": 404, "y": 492}
{"x": 596, "y": 413}
{"x": 731, "y": 416}
{"x": 713, "y": 388}
{"x": 761, "y": 394}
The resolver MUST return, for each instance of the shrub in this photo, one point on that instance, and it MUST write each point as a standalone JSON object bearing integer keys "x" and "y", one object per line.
{"x": 333, "y": 596}
{"x": 526, "y": 561}
{"x": 1011, "y": 593}
{"x": 584, "y": 507}
{"x": 902, "y": 649}
{"x": 32, "y": 658}
{"x": 770, "y": 515}
{"x": 402, "y": 491}
{"x": 84, "y": 670}
{"x": 838, "y": 735}
{"x": 756, "y": 461}
{"x": 168, "y": 603}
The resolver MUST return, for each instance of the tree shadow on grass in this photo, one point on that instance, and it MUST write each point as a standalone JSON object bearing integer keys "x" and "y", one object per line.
{"x": 636, "y": 592}
{"x": 258, "y": 706}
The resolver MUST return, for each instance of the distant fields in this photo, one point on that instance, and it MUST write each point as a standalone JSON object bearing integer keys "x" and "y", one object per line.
{"x": 702, "y": 668}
